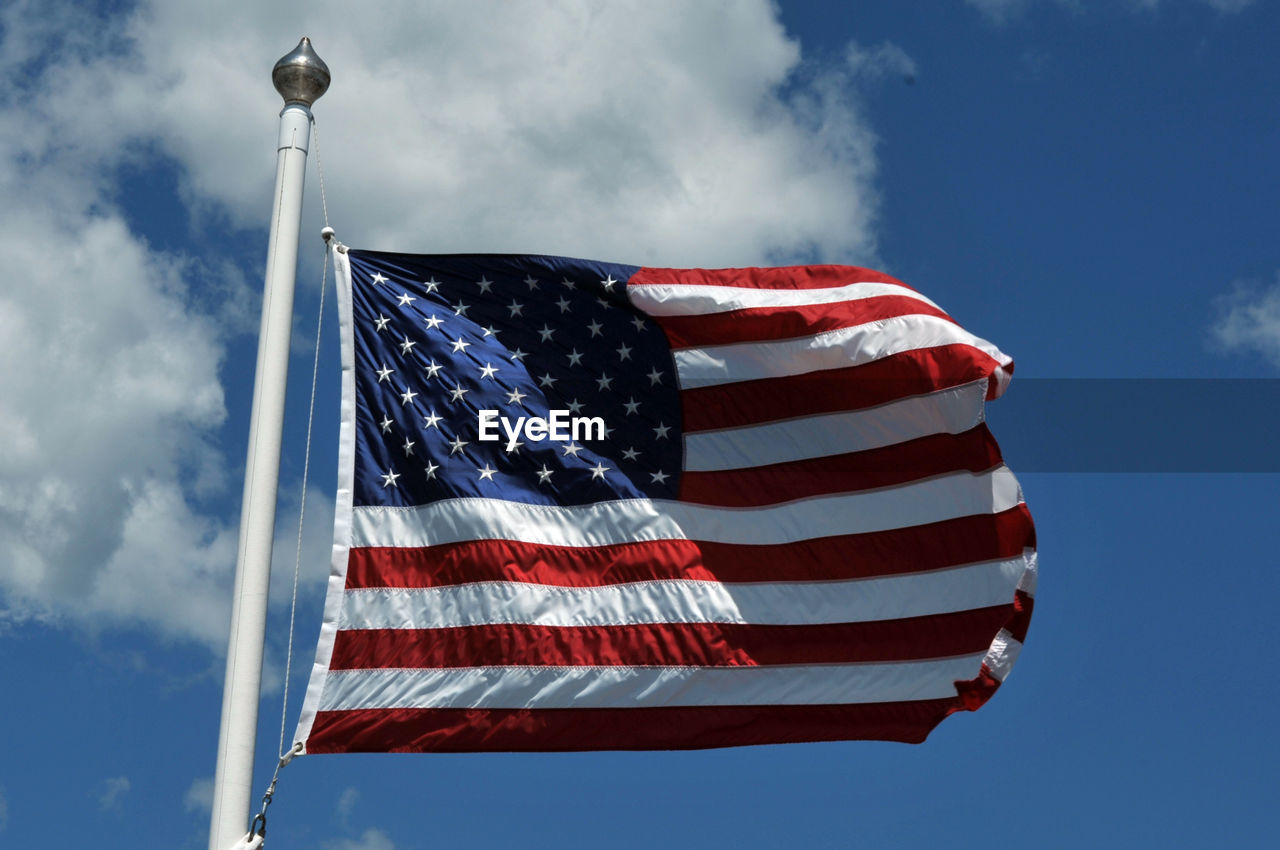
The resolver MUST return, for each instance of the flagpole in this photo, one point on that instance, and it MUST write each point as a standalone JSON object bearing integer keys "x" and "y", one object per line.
{"x": 301, "y": 77}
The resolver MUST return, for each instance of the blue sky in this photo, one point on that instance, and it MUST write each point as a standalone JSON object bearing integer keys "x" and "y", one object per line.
{"x": 1090, "y": 184}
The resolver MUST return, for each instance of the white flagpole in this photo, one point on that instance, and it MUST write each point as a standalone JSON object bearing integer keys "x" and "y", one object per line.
{"x": 300, "y": 77}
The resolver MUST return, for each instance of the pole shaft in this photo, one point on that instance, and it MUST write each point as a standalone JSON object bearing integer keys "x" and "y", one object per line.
{"x": 233, "y": 781}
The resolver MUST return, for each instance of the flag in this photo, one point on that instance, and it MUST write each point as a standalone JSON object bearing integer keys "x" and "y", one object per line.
{"x": 586, "y": 505}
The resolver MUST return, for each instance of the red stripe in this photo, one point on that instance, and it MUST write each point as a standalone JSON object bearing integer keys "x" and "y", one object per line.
{"x": 974, "y": 450}
{"x": 671, "y": 644}
{"x": 759, "y": 324}
{"x": 830, "y": 390}
{"x": 417, "y": 730}
{"x": 784, "y": 277}
{"x": 965, "y": 540}
{"x": 1023, "y": 604}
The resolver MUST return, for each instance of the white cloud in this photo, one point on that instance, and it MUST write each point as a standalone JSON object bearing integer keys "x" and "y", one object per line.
{"x": 998, "y": 11}
{"x": 346, "y": 803}
{"x": 371, "y": 839}
{"x": 875, "y": 63}
{"x": 1224, "y": 6}
{"x": 634, "y": 131}
{"x": 113, "y": 790}
{"x": 1249, "y": 320}
{"x": 199, "y": 796}
{"x": 646, "y": 132}
{"x": 1002, "y": 11}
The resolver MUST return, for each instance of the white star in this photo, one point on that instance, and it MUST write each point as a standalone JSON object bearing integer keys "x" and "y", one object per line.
{"x": 575, "y": 358}
{"x": 430, "y": 421}
{"x": 406, "y": 345}
{"x": 638, "y": 322}
{"x": 406, "y": 299}
{"x": 389, "y": 478}
{"x": 515, "y": 308}
{"x": 624, "y": 353}
{"x": 384, "y": 374}
{"x": 661, "y": 431}
{"x": 460, "y": 308}
{"x": 489, "y": 331}
{"x": 546, "y": 380}
{"x": 484, "y": 283}
{"x": 572, "y": 449}
{"x": 488, "y": 371}
{"x": 603, "y": 382}
{"x": 545, "y": 333}
{"x": 595, "y": 328}
{"x": 568, "y": 282}
{"x": 533, "y": 284}
{"x": 460, "y": 345}
{"x": 381, "y": 322}
{"x": 432, "y": 368}
{"x": 408, "y": 446}
{"x": 659, "y": 477}
{"x": 608, "y": 283}
{"x": 515, "y": 396}
{"x": 655, "y": 377}
{"x": 574, "y": 406}
{"x": 407, "y": 396}
{"x": 599, "y": 470}
{"x": 632, "y": 406}
{"x": 486, "y": 472}
{"x": 430, "y": 469}
{"x": 514, "y": 446}
{"x": 457, "y": 393}
{"x": 563, "y": 304}
{"x": 544, "y": 474}
{"x": 518, "y": 356}
{"x": 630, "y": 454}
{"x": 604, "y": 304}
{"x": 378, "y": 278}
{"x": 456, "y": 445}
{"x": 432, "y": 285}
{"x": 434, "y": 322}
{"x": 386, "y": 424}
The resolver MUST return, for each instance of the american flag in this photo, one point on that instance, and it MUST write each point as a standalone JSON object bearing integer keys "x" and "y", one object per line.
{"x": 795, "y": 525}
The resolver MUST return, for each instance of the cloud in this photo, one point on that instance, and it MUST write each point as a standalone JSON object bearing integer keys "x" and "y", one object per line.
{"x": 588, "y": 129}
{"x": 1002, "y": 11}
{"x": 875, "y": 63}
{"x": 371, "y": 839}
{"x": 604, "y": 129}
{"x": 346, "y": 803}
{"x": 1224, "y": 6}
{"x": 199, "y": 796}
{"x": 1249, "y": 320}
{"x": 113, "y": 790}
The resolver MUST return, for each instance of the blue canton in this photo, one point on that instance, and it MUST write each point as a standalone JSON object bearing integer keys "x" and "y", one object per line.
{"x": 440, "y": 338}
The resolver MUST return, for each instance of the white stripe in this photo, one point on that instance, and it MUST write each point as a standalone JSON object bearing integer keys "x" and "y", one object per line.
{"x": 628, "y": 687}
{"x": 695, "y": 300}
{"x": 1003, "y": 654}
{"x": 633, "y": 520}
{"x": 950, "y": 411}
{"x": 853, "y": 346}
{"x": 681, "y": 601}
{"x": 1028, "y": 583}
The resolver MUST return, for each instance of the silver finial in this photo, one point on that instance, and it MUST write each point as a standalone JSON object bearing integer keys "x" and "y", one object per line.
{"x": 301, "y": 76}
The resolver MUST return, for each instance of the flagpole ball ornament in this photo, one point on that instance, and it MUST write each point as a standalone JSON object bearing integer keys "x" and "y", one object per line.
{"x": 301, "y": 76}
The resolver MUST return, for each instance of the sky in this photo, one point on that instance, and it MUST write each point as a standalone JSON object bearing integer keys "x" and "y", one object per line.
{"x": 1090, "y": 184}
